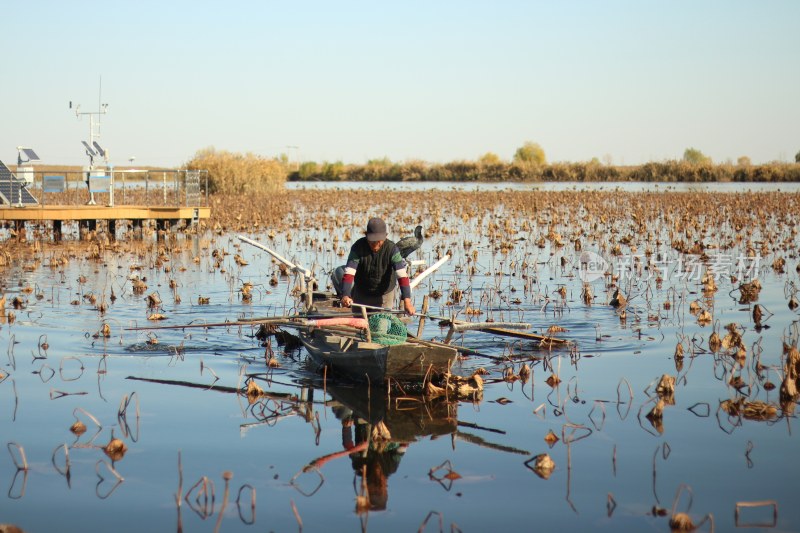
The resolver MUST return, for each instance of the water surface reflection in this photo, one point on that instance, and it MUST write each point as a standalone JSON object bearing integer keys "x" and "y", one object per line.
{"x": 645, "y": 416}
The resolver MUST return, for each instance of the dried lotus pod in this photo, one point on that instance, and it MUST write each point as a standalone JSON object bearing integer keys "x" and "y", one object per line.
{"x": 714, "y": 342}
{"x": 679, "y": 350}
{"x": 543, "y": 465}
{"x": 115, "y": 450}
{"x": 524, "y": 372}
{"x": 681, "y": 522}
{"x": 553, "y": 380}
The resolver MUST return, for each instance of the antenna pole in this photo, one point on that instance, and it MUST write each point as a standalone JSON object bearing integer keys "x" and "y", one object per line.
{"x": 101, "y": 110}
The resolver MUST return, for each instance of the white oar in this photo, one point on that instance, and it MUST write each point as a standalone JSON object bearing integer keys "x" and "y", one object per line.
{"x": 428, "y": 271}
{"x": 296, "y": 268}
{"x": 308, "y": 277}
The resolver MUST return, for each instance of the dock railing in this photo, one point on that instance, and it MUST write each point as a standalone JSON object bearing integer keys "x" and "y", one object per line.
{"x": 109, "y": 187}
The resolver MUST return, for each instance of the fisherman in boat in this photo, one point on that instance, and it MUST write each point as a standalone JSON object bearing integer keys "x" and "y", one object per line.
{"x": 374, "y": 266}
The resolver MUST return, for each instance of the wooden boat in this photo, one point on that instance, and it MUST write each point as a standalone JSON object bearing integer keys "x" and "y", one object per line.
{"x": 344, "y": 353}
{"x": 347, "y": 356}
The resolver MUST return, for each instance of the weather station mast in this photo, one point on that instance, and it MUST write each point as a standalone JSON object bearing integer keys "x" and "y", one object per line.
{"x": 93, "y": 148}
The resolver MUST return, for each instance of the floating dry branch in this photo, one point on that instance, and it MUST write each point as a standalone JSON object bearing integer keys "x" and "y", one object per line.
{"x": 20, "y": 461}
{"x": 424, "y": 523}
{"x": 65, "y": 471}
{"x": 226, "y": 476}
{"x": 771, "y": 504}
{"x": 204, "y": 496}
{"x": 297, "y": 515}
{"x": 629, "y": 403}
{"x": 445, "y": 480}
{"x": 313, "y": 467}
{"x": 252, "y": 518}
{"x": 474, "y": 439}
{"x": 61, "y": 368}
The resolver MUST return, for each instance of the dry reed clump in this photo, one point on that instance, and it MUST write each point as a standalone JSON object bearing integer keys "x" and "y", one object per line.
{"x": 235, "y": 173}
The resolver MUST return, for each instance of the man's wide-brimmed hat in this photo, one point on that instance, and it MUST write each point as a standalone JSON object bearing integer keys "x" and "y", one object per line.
{"x": 376, "y": 229}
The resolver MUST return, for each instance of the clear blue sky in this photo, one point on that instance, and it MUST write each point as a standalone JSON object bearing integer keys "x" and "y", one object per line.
{"x": 626, "y": 81}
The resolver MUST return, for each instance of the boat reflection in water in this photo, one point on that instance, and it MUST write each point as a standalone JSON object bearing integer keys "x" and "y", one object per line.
{"x": 376, "y": 431}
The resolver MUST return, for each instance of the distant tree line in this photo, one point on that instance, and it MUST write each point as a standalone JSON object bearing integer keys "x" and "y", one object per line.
{"x": 666, "y": 171}
{"x": 241, "y": 173}
{"x": 530, "y": 165}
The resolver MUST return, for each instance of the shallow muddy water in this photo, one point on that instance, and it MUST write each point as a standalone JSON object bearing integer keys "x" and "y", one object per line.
{"x": 724, "y": 449}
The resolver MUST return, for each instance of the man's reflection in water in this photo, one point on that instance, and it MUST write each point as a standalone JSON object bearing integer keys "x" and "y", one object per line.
{"x": 381, "y": 459}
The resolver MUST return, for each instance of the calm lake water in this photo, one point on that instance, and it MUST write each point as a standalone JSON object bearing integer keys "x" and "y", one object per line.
{"x": 627, "y": 186}
{"x": 469, "y": 462}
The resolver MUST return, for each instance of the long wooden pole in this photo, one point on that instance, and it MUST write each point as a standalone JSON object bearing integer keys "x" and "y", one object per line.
{"x": 422, "y": 318}
{"x": 251, "y": 322}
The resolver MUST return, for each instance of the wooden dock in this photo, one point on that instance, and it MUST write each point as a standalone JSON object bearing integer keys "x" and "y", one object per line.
{"x": 88, "y": 215}
{"x": 40, "y": 197}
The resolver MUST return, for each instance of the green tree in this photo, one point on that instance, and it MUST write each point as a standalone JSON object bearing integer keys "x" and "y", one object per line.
{"x": 308, "y": 170}
{"x": 530, "y": 152}
{"x": 382, "y": 162}
{"x": 489, "y": 158}
{"x": 333, "y": 171}
{"x": 743, "y": 161}
{"x": 695, "y": 156}
{"x": 797, "y": 157}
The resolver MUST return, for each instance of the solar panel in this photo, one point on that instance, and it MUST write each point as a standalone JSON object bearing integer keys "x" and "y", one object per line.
{"x": 88, "y": 149}
{"x": 99, "y": 149}
{"x": 30, "y": 154}
{"x": 11, "y": 189}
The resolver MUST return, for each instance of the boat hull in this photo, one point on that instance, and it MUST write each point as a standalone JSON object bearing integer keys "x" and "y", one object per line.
{"x": 366, "y": 362}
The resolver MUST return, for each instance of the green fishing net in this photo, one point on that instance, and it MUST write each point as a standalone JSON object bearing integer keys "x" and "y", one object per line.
{"x": 387, "y": 329}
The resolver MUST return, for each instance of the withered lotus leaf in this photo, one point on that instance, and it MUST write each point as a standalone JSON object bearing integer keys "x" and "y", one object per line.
{"x": 666, "y": 386}
{"x": 253, "y": 389}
